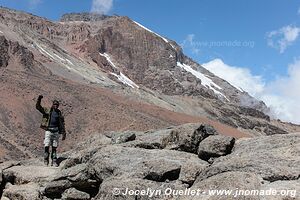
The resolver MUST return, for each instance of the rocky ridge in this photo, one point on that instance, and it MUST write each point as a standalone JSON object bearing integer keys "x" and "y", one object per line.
{"x": 86, "y": 17}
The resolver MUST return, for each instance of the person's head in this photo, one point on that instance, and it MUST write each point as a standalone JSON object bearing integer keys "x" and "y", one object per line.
{"x": 55, "y": 104}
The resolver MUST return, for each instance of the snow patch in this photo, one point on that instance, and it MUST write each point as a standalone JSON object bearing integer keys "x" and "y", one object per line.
{"x": 124, "y": 79}
{"x": 54, "y": 56}
{"x": 80, "y": 69}
{"x": 60, "y": 58}
{"x": 69, "y": 62}
{"x": 207, "y": 82}
{"x": 44, "y": 52}
{"x": 1, "y": 32}
{"x": 108, "y": 59}
{"x": 167, "y": 41}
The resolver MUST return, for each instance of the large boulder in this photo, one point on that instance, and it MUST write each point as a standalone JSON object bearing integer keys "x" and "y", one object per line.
{"x": 183, "y": 138}
{"x": 156, "y": 165}
{"x": 287, "y": 190}
{"x": 187, "y": 137}
{"x": 25, "y": 174}
{"x": 232, "y": 183}
{"x": 77, "y": 176}
{"x": 24, "y": 191}
{"x": 274, "y": 158}
{"x": 118, "y": 138}
{"x": 215, "y": 146}
{"x": 83, "y": 151}
{"x": 119, "y": 188}
{"x": 54, "y": 189}
{"x": 152, "y": 139}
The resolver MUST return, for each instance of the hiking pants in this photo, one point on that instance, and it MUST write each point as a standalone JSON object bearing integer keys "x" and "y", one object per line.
{"x": 51, "y": 139}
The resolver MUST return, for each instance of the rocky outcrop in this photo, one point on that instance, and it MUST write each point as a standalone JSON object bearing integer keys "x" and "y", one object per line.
{"x": 4, "y": 57}
{"x": 24, "y": 191}
{"x": 187, "y": 137}
{"x": 16, "y": 57}
{"x": 124, "y": 137}
{"x": 229, "y": 181}
{"x": 259, "y": 155}
{"x": 215, "y": 146}
{"x": 100, "y": 169}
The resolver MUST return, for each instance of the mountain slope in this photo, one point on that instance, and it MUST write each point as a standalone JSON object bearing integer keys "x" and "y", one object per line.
{"x": 110, "y": 73}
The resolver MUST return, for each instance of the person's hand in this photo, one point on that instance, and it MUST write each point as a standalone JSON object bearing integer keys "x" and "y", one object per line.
{"x": 41, "y": 96}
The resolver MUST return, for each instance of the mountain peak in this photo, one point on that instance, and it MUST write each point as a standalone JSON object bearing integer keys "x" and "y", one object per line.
{"x": 84, "y": 16}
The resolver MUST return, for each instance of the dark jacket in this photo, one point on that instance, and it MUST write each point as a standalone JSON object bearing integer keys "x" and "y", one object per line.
{"x": 46, "y": 118}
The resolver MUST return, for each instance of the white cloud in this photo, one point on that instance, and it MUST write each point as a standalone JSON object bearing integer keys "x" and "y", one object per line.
{"x": 34, "y": 3}
{"x": 190, "y": 43}
{"x": 237, "y": 76}
{"x": 281, "y": 95}
{"x": 284, "y": 37}
{"x": 284, "y": 94}
{"x": 101, "y": 6}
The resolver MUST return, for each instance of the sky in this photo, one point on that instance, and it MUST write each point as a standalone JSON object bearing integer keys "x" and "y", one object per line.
{"x": 253, "y": 44}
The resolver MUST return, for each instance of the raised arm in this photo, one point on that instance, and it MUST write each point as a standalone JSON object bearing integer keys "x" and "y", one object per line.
{"x": 38, "y": 105}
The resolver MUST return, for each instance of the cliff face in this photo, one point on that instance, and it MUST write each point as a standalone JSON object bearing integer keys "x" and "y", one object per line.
{"x": 110, "y": 73}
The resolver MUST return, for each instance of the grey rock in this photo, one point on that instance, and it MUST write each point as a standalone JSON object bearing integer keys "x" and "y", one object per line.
{"x": 124, "y": 188}
{"x": 24, "y": 191}
{"x": 215, "y": 146}
{"x": 55, "y": 188}
{"x": 95, "y": 167}
{"x": 253, "y": 112}
{"x": 75, "y": 173}
{"x": 231, "y": 181}
{"x": 8, "y": 164}
{"x": 118, "y": 138}
{"x": 70, "y": 162}
{"x": 290, "y": 190}
{"x": 272, "y": 157}
{"x": 187, "y": 137}
{"x": 272, "y": 130}
{"x": 154, "y": 164}
{"x": 25, "y": 174}
{"x": 84, "y": 150}
{"x": 79, "y": 176}
{"x": 152, "y": 139}
{"x": 74, "y": 194}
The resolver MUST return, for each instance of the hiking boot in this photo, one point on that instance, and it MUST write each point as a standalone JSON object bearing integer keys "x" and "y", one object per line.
{"x": 54, "y": 163}
{"x": 46, "y": 158}
{"x": 46, "y": 162}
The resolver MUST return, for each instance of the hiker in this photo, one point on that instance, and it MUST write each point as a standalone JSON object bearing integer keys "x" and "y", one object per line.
{"x": 53, "y": 124}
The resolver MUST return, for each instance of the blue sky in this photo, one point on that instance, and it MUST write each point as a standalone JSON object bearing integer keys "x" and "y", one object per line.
{"x": 255, "y": 39}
